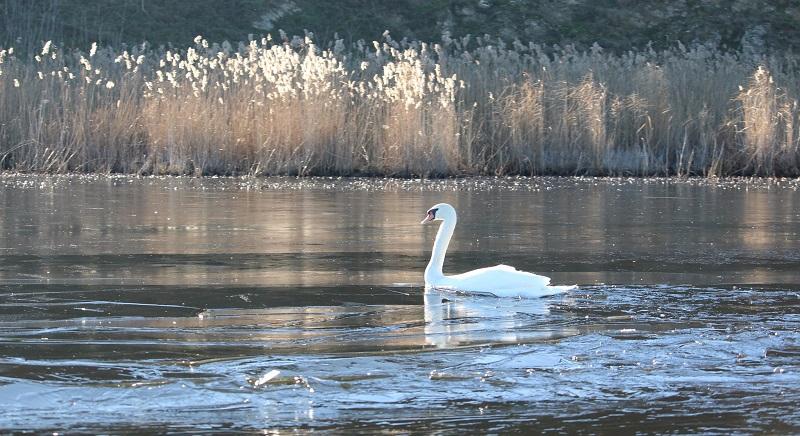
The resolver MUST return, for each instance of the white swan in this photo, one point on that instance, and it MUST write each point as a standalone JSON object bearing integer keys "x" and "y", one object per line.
{"x": 500, "y": 280}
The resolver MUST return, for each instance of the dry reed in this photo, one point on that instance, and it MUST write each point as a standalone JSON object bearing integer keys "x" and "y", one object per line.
{"x": 399, "y": 109}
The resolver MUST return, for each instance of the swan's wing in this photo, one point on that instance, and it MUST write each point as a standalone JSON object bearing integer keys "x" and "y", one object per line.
{"x": 500, "y": 281}
{"x": 498, "y": 277}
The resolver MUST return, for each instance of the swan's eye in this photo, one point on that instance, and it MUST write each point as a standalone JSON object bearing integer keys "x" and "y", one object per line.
{"x": 432, "y": 213}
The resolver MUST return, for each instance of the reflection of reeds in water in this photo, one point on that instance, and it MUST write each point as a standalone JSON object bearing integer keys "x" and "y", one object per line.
{"x": 463, "y": 107}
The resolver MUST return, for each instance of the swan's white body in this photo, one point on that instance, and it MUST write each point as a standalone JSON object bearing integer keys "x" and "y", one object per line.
{"x": 500, "y": 280}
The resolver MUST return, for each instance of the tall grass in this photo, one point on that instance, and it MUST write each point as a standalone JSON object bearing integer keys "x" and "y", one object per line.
{"x": 468, "y": 106}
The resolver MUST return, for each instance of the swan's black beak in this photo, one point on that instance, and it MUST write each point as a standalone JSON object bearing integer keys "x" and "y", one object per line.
{"x": 429, "y": 217}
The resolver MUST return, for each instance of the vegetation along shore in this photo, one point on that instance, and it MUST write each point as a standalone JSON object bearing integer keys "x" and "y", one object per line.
{"x": 463, "y": 106}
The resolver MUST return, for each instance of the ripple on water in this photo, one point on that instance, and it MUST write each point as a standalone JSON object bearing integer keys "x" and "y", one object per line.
{"x": 154, "y": 304}
{"x": 597, "y": 358}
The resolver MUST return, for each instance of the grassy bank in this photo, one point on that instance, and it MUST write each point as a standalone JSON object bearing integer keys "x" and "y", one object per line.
{"x": 462, "y": 107}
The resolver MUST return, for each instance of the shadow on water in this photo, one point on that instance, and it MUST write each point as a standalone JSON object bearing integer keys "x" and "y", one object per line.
{"x": 128, "y": 321}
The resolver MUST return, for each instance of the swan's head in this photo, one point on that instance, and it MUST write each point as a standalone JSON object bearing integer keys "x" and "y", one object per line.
{"x": 440, "y": 212}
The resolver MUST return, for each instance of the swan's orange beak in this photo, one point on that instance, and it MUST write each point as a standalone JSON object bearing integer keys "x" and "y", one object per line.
{"x": 428, "y": 218}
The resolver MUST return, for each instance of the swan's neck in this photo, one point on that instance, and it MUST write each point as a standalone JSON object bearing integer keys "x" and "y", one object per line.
{"x": 433, "y": 273}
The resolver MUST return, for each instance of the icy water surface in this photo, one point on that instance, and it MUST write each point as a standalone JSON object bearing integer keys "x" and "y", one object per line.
{"x": 202, "y": 305}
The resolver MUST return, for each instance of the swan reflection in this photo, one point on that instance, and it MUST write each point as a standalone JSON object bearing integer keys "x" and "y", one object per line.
{"x": 444, "y": 320}
{"x": 453, "y": 320}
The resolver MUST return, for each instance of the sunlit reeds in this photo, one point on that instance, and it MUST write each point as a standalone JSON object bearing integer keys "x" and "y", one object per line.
{"x": 467, "y": 106}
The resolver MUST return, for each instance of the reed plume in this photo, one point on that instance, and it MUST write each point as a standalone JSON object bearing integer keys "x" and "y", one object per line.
{"x": 466, "y": 106}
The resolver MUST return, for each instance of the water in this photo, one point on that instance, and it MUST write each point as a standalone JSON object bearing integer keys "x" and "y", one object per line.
{"x": 203, "y": 305}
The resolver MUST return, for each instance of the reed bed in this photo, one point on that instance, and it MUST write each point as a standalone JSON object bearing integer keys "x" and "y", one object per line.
{"x": 467, "y": 106}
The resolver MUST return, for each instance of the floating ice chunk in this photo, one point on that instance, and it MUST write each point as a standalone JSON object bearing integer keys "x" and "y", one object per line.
{"x": 266, "y": 377}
